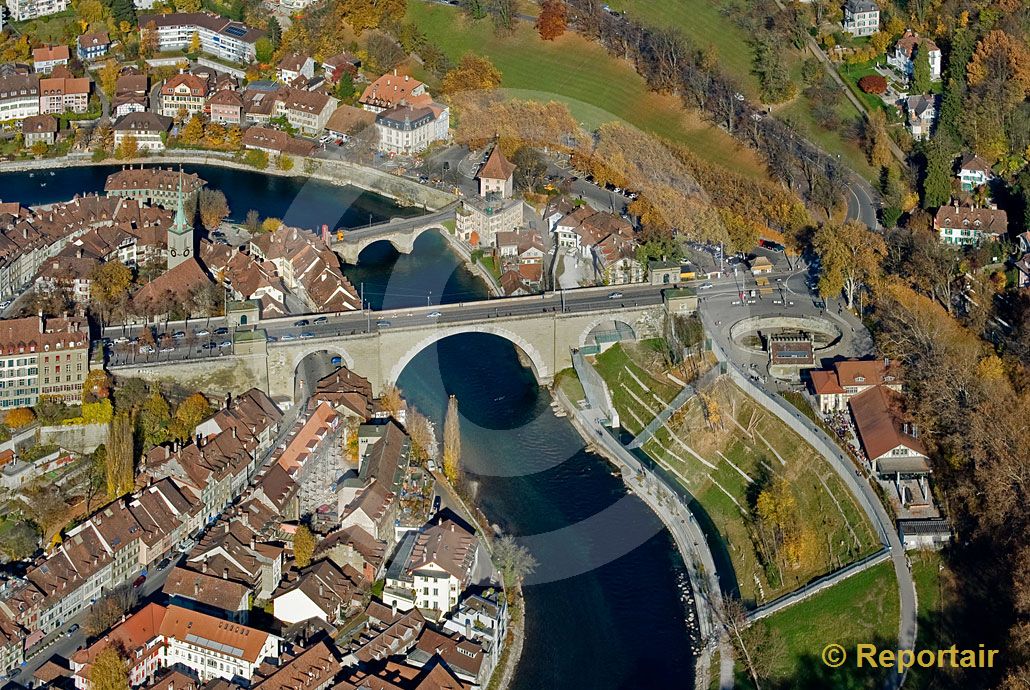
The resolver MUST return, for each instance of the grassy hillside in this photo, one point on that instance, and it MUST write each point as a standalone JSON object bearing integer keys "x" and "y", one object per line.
{"x": 576, "y": 71}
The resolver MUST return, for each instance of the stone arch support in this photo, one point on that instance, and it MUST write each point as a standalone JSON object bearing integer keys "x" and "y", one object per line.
{"x": 598, "y": 320}
{"x": 538, "y": 360}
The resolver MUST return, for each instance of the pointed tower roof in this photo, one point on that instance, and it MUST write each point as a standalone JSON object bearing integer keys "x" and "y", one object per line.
{"x": 181, "y": 226}
{"x": 497, "y": 167}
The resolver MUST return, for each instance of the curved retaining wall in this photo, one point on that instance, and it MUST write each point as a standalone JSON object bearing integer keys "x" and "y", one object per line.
{"x": 754, "y": 324}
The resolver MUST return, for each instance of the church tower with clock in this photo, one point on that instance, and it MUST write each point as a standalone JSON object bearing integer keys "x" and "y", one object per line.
{"x": 180, "y": 235}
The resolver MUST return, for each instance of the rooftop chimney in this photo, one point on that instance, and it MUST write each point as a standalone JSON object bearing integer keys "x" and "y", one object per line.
{"x": 225, "y": 573}
{"x": 203, "y": 566}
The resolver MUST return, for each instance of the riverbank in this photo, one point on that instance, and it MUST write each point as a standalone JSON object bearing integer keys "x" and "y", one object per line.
{"x": 401, "y": 190}
{"x": 477, "y": 268}
{"x": 503, "y": 674}
{"x": 693, "y": 548}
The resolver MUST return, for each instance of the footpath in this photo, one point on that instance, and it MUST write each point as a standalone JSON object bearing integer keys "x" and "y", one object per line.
{"x": 674, "y": 514}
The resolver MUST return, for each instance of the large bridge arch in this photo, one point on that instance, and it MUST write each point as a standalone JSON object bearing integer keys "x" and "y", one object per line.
{"x": 300, "y": 354}
{"x": 538, "y": 360}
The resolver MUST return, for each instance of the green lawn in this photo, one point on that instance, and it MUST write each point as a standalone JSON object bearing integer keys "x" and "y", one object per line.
{"x": 568, "y": 382}
{"x": 712, "y": 464}
{"x": 638, "y": 394}
{"x": 703, "y": 23}
{"x": 861, "y": 609}
{"x": 580, "y": 73}
{"x": 832, "y": 141}
{"x": 932, "y": 599}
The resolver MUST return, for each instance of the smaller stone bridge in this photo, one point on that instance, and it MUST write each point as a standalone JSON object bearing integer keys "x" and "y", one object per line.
{"x": 400, "y": 232}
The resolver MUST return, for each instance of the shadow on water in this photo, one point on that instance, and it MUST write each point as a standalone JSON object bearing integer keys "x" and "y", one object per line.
{"x": 727, "y": 574}
{"x": 619, "y": 622}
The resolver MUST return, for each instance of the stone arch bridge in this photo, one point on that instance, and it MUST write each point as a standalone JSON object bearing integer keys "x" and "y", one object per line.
{"x": 545, "y": 338}
{"x": 400, "y": 232}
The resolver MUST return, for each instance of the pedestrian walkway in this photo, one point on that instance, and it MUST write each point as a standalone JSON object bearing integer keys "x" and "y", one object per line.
{"x": 679, "y": 401}
{"x": 690, "y": 539}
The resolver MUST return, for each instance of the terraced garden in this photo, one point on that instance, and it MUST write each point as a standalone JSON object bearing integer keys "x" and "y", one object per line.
{"x": 726, "y": 462}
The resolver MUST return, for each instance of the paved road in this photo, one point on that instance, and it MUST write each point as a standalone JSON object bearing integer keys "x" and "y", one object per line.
{"x": 200, "y": 334}
{"x": 66, "y": 644}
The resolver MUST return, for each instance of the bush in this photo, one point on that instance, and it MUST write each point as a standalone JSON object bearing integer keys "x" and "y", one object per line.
{"x": 19, "y": 417}
{"x": 256, "y": 159}
{"x": 874, "y": 84}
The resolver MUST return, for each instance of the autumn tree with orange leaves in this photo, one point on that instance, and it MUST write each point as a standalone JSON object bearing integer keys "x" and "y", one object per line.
{"x": 553, "y": 19}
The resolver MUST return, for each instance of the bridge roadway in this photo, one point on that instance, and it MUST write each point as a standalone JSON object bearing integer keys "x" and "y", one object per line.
{"x": 201, "y": 334}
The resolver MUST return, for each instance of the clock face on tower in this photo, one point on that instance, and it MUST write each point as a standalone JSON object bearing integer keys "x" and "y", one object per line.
{"x": 185, "y": 252}
{"x": 172, "y": 252}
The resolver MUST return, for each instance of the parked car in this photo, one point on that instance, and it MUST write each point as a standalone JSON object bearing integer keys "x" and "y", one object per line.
{"x": 202, "y": 332}
{"x": 72, "y": 630}
{"x": 178, "y": 334}
{"x": 306, "y": 334}
{"x": 147, "y": 349}
{"x": 222, "y": 331}
{"x": 302, "y": 322}
{"x": 288, "y": 336}
{"x": 138, "y": 582}
{"x": 704, "y": 286}
{"x": 225, "y": 343}
{"x": 164, "y": 563}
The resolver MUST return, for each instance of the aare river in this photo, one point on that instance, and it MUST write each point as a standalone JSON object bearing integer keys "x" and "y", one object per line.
{"x": 598, "y": 617}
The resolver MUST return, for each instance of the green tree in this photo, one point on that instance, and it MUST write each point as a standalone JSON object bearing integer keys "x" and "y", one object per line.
{"x": 154, "y": 418}
{"x": 937, "y": 176}
{"x": 303, "y": 546}
{"x": 123, "y": 11}
{"x": 921, "y": 68}
{"x": 345, "y": 87}
{"x": 263, "y": 50}
{"x": 275, "y": 32}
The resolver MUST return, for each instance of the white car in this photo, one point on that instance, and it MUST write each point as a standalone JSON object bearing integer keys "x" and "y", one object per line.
{"x": 434, "y": 315}
{"x": 705, "y": 286}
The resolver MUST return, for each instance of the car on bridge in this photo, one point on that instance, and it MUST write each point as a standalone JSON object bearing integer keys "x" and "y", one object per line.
{"x": 288, "y": 336}
{"x": 434, "y": 315}
{"x": 321, "y": 319}
{"x": 302, "y": 322}
{"x": 306, "y": 334}
{"x": 383, "y": 323}
{"x": 614, "y": 295}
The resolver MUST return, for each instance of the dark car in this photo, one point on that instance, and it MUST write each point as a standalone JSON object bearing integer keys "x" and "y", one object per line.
{"x": 164, "y": 563}
{"x": 222, "y": 331}
{"x": 436, "y": 504}
{"x": 138, "y": 582}
{"x": 302, "y": 322}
